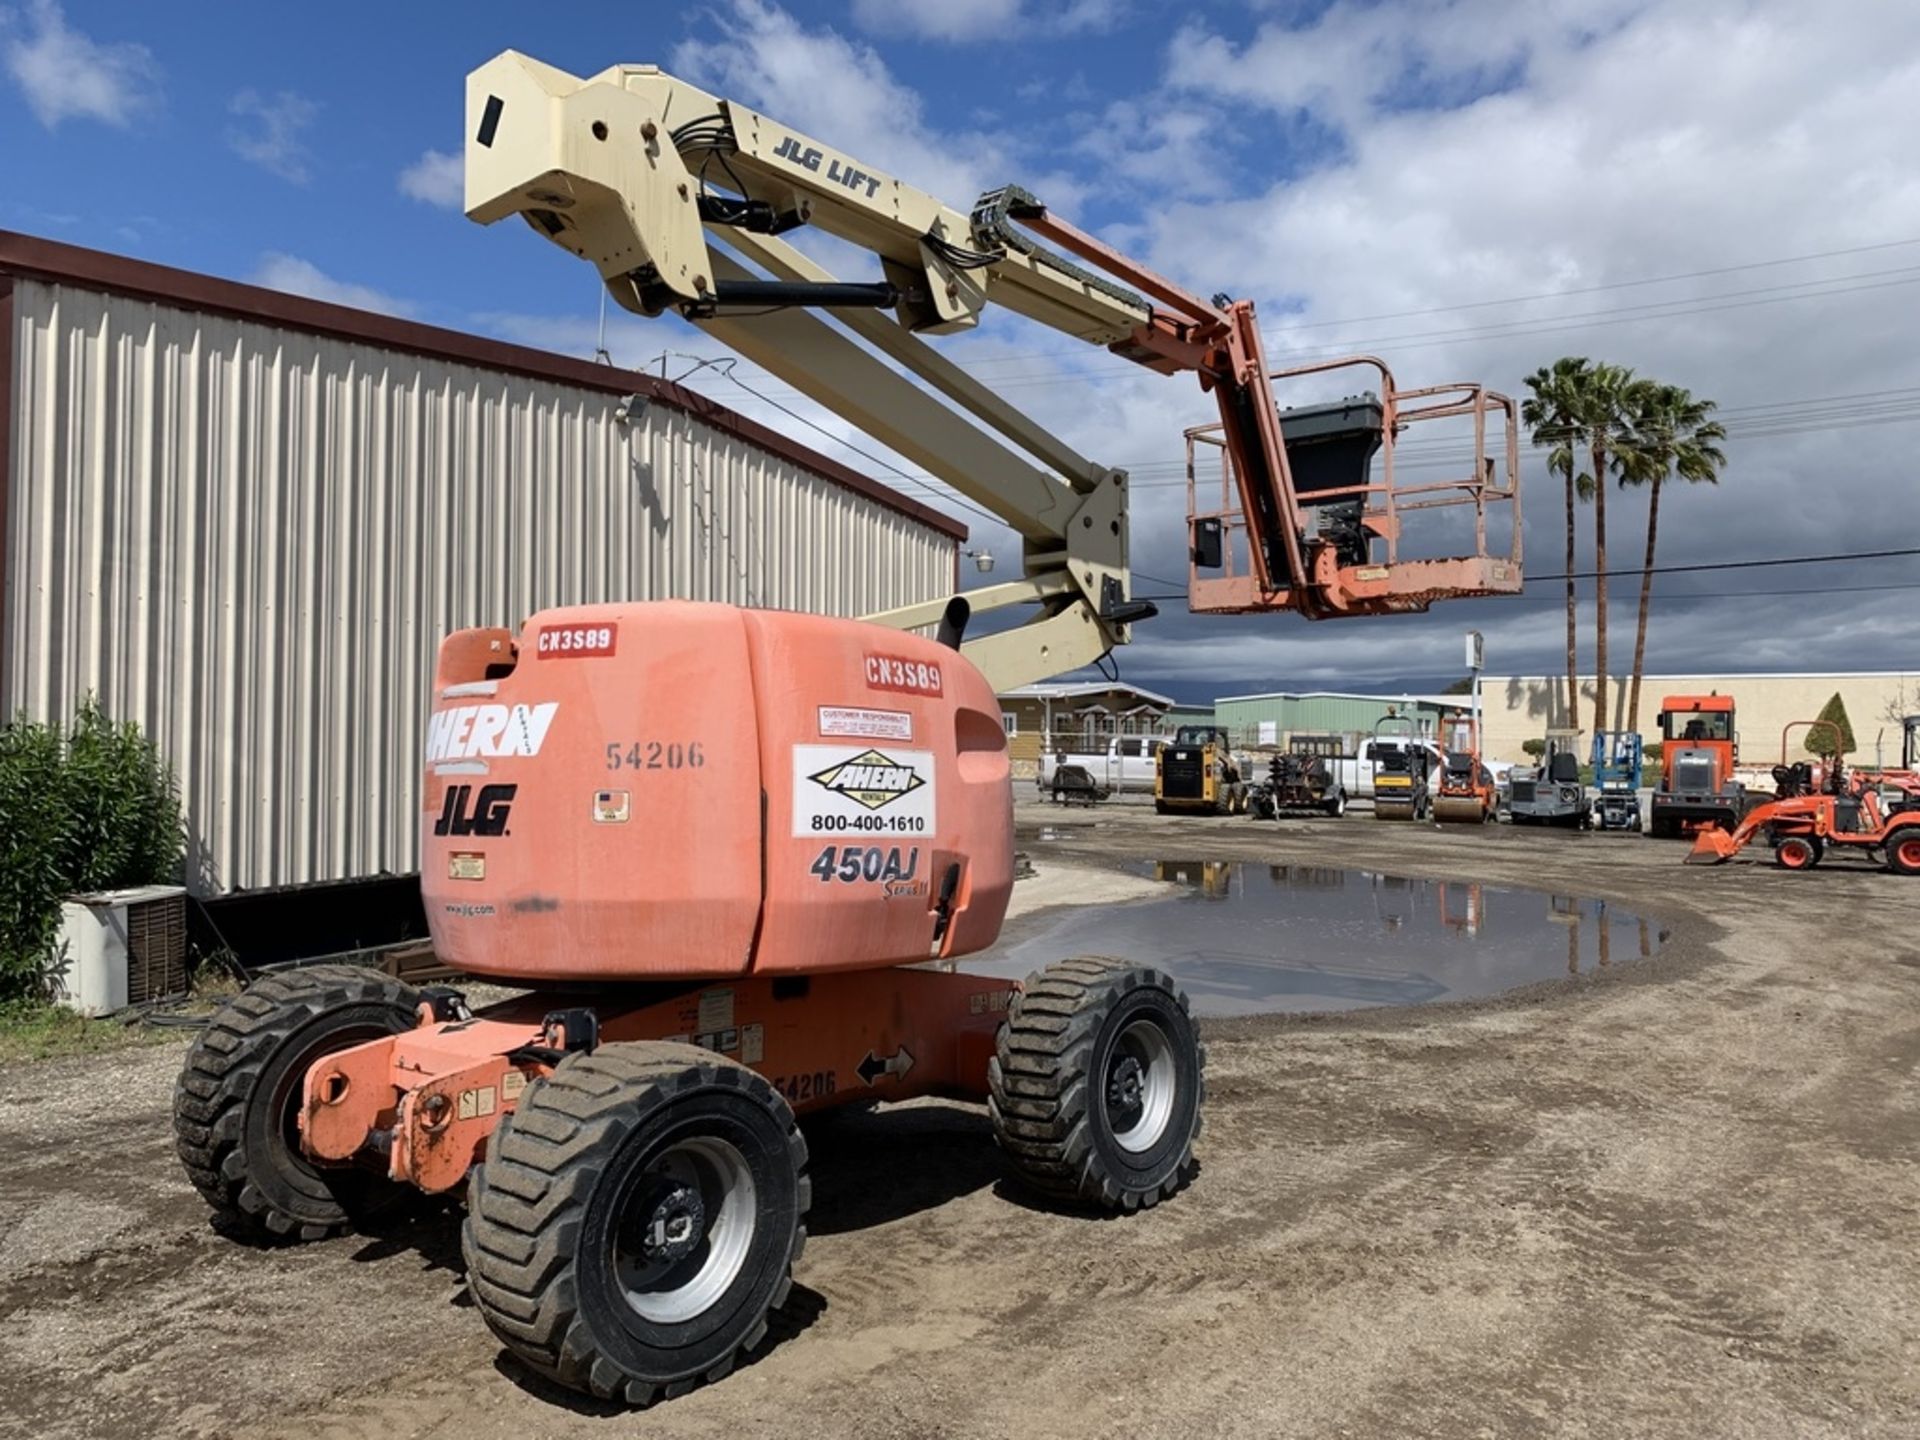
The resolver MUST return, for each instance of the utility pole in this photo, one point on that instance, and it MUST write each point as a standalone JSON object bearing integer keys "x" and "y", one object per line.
{"x": 1476, "y": 657}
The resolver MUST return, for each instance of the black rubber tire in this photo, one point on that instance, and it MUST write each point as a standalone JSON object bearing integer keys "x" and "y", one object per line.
{"x": 236, "y": 1101}
{"x": 1337, "y": 806}
{"x": 1052, "y": 1057}
{"x": 1798, "y": 852}
{"x": 1898, "y": 840}
{"x": 1160, "y": 808}
{"x": 543, "y": 1212}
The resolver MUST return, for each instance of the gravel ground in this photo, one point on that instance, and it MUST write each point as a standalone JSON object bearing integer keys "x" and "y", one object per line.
{"x": 1681, "y": 1198}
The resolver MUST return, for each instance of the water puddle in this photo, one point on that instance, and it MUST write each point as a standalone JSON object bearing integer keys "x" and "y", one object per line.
{"x": 1061, "y": 832}
{"x": 1248, "y": 939}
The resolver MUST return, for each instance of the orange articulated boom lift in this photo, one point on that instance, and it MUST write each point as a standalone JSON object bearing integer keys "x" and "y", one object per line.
{"x": 720, "y": 846}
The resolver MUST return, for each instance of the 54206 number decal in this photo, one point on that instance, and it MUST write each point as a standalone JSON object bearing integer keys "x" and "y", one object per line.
{"x": 799, "y": 1088}
{"x": 655, "y": 755}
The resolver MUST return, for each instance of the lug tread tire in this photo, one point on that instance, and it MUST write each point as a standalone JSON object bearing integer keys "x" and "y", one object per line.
{"x": 526, "y": 1203}
{"x": 222, "y": 1069}
{"x": 1039, "y": 1083}
{"x": 1905, "y": 835}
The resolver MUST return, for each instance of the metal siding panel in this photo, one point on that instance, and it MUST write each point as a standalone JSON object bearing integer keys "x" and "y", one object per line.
{"x": 251, "y": 539}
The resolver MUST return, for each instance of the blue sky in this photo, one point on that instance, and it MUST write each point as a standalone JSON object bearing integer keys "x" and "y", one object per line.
{"x": 1719, "y": 193}
{"x": 281, "y": 130}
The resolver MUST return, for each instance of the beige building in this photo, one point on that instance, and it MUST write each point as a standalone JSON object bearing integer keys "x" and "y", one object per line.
{"x": 1520, "y": 707}
{"x": 1075, "y": 716}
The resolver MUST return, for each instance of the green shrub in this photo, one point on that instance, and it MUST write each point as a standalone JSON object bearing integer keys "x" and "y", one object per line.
{"x": 1819, "y": 738}
{"x": 32, "y": 848}
{"x": 91, "y": 807}
{"x": 1534, "y": 748}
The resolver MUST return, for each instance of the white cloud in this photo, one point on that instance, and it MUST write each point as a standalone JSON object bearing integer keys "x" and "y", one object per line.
{"x": 841, "y": 92}
{"x": 977, "y": 20}
{"x": 1598, "y": 147}
{"x": 66, "y": 75}
{"x": 937, "y": 19}
{"x": 276, "y": 142}
{"x": 1582, "y": 147}
{"x": 436, "y": 178}
{"x": 302, "y": 277}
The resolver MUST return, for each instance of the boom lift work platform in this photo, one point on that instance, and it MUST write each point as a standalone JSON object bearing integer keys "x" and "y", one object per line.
{"x": 731, "y": 855}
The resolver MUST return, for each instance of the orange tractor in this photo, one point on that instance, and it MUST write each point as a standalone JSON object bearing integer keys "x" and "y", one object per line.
{"x": 1820, "y": 808}
{"x": 731, "y": 856}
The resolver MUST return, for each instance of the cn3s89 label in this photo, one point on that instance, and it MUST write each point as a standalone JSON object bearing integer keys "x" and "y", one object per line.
{"x": 565, "y": 642}
{"x": 903, "y": 676}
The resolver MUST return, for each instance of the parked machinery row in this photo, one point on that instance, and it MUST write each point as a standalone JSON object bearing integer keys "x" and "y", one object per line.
{"x": 1821, "y": 807}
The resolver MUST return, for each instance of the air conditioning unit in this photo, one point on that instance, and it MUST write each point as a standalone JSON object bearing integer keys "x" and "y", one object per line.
{"x": 121, "y": 948}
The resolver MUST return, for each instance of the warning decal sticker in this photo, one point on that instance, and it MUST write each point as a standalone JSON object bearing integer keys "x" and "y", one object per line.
{"x": 874, "y": 724}
{"x": 841, "y": 788}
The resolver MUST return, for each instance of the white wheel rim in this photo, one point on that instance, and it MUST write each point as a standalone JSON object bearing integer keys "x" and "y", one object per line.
{"x": 1147, "y": 1046}
{"x": 671, "y": 1294}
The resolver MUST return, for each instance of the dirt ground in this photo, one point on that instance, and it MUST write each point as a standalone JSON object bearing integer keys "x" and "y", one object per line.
{"x": 1680, "y": 1199}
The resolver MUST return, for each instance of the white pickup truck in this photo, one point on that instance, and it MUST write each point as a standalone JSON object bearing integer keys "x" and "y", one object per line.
{"x": 1125, "y": 767}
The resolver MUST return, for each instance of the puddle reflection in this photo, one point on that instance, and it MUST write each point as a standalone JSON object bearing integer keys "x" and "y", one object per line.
{"x": 1249, "y": 939}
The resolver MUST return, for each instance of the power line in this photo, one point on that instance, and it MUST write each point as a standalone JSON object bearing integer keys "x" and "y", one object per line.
{"x": 1020, "y": 357}
{"x": 1736, "y": 564}
{"x": 1521, "y": 328}
{"x": 1615, "y": 285}
{"x": 1689, "y": 570}
{"x": 724, "y": 367}
{"x": 1672, "y": 597}
{"x": 1769, "y": 419}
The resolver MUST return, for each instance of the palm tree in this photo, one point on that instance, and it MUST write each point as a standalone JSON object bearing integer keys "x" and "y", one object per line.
{"x": 1604, "y": 411}
{"x": 1674, "y": 436}
{"x": 1552, "y": 418}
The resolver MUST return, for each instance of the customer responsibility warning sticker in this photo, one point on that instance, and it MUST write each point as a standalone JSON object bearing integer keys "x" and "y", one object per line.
{"x": 858, "y": 720}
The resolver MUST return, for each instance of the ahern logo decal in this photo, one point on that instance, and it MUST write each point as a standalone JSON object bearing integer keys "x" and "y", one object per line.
{"x": 469, "y": 731}
{"x": 870, "y": 779}
{"x": 850, "y": 789}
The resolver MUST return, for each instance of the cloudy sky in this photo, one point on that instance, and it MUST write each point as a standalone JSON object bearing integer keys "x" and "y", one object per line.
{"x": 1719, "y": 193}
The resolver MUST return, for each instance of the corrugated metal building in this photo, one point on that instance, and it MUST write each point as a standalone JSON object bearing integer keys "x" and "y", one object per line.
{"x": 245, "y": 519}
{"x": 1270, "y": 719}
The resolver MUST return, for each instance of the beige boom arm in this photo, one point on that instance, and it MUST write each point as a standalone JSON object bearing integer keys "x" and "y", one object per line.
{"x": 595, "y": 166}
{"x": 641, "y": 173}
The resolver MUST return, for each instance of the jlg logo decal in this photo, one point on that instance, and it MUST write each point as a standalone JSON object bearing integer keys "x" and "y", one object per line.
{"x": 467, "y": 731}
{"x": 909, "y": 677}
{"x": 466, "y": 813}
